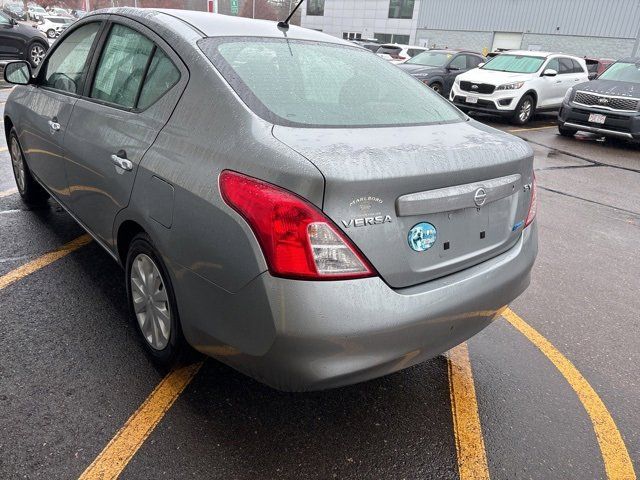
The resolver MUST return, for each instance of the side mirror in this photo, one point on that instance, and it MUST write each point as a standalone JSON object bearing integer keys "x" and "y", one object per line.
{"x": 549, "y": 72}
{"x": 17, "y": 73}
{"x": 13, "y": 22}
{"x": 453, "y": 68}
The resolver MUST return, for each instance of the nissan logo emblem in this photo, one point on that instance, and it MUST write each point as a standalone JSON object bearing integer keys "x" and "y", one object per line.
{"x": 480, "y": 197}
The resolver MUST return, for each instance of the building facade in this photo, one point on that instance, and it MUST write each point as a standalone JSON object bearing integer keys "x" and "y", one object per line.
{"x": 389, "y": 21}
{"x": 594, "y": 28}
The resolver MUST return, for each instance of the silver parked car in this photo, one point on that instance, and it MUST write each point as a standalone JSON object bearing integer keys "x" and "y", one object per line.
{"x": 267, "y": 209}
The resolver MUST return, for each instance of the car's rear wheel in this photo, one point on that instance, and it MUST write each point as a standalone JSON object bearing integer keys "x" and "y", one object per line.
{"x": 51, "y": 33}
{"x": 36, "y": 53}
{"x": 152, "y": 302}
{"x": 524, "y": 110}
{"x": 28, "y": 188}
{"x": 566, "y": 132}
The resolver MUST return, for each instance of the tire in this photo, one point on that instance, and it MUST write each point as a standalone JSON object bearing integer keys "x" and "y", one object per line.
{"x": 36, "y": 52}
{"x": 436, "y": 87}
{"x": 29, "y": 189}
{"x": 525, "y": 110}
{"x": 51, "y": 33}
{"x": 566, "y": 132}
{"x": 152, "y": 302}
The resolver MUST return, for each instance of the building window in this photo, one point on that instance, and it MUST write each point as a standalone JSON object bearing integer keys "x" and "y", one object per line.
{"x": 391, "y": 38}
{"x": 351, "y": 36}
{"x": 401, "y": 8}
{"x": 316, "y": 7}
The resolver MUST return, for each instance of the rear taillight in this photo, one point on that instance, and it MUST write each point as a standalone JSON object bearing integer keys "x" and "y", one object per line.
{"x": 297, "y": 239}
{"x": 533, "y": 203}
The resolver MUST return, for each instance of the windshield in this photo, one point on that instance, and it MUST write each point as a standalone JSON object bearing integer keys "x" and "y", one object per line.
{"x": 294, "y": 82}
{"x": 431, "y": 59}
{"x": 514, "y": 63}
{"x": 623, "y": 72}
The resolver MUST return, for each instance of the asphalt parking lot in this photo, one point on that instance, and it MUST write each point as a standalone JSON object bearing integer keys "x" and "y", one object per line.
{"x": 550, "y": 391}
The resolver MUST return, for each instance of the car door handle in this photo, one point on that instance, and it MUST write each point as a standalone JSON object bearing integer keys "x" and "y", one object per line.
{"x": 53, "y": 125}
{"x": 123, "y": 163}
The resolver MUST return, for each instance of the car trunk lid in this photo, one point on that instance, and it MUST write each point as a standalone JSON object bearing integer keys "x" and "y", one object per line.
{"x": 467, "y": 180}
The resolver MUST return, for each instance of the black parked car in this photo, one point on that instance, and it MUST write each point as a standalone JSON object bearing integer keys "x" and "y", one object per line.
{"x": 21, "y": 42}
{"x": 15, "y": 11}
{"x": 607, "y": 106}
{"x": 439, "y": 68}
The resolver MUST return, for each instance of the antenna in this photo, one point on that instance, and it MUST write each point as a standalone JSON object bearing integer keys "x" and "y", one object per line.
{"x": 285, "y": 25}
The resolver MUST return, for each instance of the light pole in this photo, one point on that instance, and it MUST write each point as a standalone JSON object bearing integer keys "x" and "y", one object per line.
{"x": 254, "y": 8}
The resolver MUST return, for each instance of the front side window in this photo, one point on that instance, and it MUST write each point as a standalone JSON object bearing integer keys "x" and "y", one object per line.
{"x": 294, "y": 82}
{"x": 67, "y": 65}
{"x": 459, "y": 63}
{"x": 473, "y": 61}
{"x": 401, "y": 8}
{"x": 514, "y": 63}
{"x": 566, "y": 66}
{"x": 315, "y": 7}
{"x": 622, "y": 72}
{"x": 122, "y": 67}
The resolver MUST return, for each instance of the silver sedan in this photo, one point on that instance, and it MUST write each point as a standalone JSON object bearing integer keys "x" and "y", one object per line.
{"x": 268, "y": 209}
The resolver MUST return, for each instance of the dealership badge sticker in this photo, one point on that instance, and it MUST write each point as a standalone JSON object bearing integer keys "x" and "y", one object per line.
{"x": 422, "y": 237}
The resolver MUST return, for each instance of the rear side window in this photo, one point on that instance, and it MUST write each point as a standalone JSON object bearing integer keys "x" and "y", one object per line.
{"x": 162, "y": 75}
{"x": 122, "y": 66}
{"x": 295, "y": 82}
{"x": 67, "y": 65}
{"x": 133, "y": 72}
{"x": 577, "y": 68}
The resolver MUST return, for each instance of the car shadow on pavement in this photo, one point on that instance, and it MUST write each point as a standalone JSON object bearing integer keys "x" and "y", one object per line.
{"x": 392, "y": 427}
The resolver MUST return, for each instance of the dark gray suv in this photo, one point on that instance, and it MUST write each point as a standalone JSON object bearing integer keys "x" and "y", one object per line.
{"x": 19, "y": 41}
{"x": 267, "y": 209}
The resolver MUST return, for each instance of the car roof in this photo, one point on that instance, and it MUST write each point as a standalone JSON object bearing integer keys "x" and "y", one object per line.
{"x": 402, "y": 45}
{"x": 216, "y": 25}
{"x": 629, "y": 60}
{"x": 454, "y": 50}
{"x": 534, "y": 53}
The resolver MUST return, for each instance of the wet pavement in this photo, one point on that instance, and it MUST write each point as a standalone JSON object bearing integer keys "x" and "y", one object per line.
{"x": 72, "y": 370}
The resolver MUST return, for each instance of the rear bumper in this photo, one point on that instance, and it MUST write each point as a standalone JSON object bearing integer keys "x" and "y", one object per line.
{"x": 318, "y": 335}
{"x": 617, "y": 124}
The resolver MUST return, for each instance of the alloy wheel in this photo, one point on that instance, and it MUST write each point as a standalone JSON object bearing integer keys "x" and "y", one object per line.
{"x": 525, "y": 111}
{"x": 150, "y": 301}
{"x": 436, "y": 87}
{"x": 37, "y": 54}
{"x": 17, "y": 162}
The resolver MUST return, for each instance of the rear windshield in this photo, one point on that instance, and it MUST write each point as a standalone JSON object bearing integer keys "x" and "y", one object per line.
{"x": 623, "y": 72}
{"x": 514, "y": 63}
{"x": 430, "y": 59}
{"x": 293, "y": 82}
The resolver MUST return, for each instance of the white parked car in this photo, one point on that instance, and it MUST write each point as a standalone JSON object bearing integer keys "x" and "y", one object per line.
{"x": 61, "y": 12}
{"x": 398, "y": 53}
{"x": 53, "y": 25}
{"x": 35, "y": 13}
{"x": 517, "y": 84}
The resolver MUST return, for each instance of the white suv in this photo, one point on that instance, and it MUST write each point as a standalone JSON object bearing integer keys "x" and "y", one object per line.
{"x": 398, "y": 53}
{"x": 518, "y": 84}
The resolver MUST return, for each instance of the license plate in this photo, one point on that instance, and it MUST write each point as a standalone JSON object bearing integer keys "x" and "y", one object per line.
{"x": 472, "y": 99}
{"x": 597, "y": 118}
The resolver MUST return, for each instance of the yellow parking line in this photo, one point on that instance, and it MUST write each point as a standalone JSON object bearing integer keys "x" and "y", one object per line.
{"x": 6, "y": 193}
{"x": 110, "y": 463}
{"x": 530, "y": 129}
{"x": 42, "y": 261}
{"x": 472, "y": 458}
{"x": 616, "y": 458}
